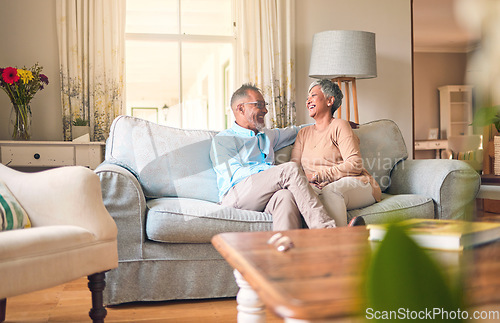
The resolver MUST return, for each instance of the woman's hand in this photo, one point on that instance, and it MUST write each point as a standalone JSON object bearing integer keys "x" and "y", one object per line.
{"x": 313, "y": 179}
{"x": 321, "y": 185}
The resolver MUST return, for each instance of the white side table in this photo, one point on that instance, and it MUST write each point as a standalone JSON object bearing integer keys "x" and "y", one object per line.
{"x": 47, "y": 154}
{"x": 432, "y": 144}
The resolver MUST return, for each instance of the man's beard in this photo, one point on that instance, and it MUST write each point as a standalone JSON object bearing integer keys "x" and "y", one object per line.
{"x": 258, "y": 125}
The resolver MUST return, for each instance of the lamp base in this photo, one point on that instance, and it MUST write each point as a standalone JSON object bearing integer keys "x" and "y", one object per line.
{"x": 349, "y": 84}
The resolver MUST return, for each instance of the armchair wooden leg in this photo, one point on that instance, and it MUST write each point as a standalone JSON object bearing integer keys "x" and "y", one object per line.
{"x": 3, "y": 309}
{"x": 96, "y": 285}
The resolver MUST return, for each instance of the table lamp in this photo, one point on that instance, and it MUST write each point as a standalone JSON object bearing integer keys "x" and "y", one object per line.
{"x": 344, "y": 56}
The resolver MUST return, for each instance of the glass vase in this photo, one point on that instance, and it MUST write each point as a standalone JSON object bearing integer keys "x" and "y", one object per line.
{"x": 20, "y": 122}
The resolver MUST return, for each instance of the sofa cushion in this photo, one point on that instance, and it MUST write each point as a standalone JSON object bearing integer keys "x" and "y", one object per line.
{"x": 382, "y": 146}
{"x": 283, "y": 155}
{"x": 167, "y": 161}
{"x": 12, "y": 214}
{"x": 395, "y": 207}
{"x": 183, "y": 220}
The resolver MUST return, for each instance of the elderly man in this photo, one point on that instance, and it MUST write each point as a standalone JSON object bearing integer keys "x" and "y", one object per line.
{"x": 243, "y": 158}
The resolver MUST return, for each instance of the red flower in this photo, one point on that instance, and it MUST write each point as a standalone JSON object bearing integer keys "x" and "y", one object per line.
{"x": 9, "y": 75}
{"x": 44, "y": 79}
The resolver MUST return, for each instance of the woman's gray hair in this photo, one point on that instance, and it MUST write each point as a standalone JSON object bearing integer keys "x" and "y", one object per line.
{"x": 329, "y": 89}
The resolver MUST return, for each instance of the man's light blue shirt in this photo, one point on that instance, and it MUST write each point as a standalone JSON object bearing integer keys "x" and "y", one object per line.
{"x": 238, "y": 153}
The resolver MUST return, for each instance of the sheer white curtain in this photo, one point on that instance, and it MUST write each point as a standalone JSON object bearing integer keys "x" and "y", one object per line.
{"x": 267, "y": 54}
{"x": 91, "y": 36}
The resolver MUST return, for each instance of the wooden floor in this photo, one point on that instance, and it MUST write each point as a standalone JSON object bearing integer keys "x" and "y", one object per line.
{"x": 481, "y": 215}
{"x": 71, "y": 302}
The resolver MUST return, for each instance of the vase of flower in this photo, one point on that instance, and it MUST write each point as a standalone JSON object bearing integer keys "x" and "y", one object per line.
{"x": 21, "y": 85}
{"x": 20, "y": 122}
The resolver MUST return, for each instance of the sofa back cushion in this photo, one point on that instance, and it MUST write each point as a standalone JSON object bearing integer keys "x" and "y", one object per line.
{"x": 172, "y": 162}
{"x": 167, "y": 161}
{"x": 382, "y": 147}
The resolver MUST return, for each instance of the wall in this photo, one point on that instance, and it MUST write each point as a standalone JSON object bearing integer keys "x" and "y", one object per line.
{"x": 433, "y": 70}
{"x": 390, "y": 94}
{"x": 28, "y": 35}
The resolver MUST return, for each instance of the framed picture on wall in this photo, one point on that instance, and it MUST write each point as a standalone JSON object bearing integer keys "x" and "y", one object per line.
{"x": 433, "y": 133}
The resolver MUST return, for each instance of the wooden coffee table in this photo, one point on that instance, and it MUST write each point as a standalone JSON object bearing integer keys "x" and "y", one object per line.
{"x": 322, "y": 276}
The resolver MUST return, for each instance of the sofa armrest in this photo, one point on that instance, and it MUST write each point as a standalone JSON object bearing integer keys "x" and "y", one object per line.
{"x": 125, "y": 201}
{"x": 452, "y": 184}
{"x": 62, "y": 196}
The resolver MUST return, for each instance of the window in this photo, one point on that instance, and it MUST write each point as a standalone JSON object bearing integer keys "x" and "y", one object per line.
{"x": 180, "y": 61}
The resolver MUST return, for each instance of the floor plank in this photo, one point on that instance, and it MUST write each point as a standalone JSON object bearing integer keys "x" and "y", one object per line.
{"x": 71, "y": 302}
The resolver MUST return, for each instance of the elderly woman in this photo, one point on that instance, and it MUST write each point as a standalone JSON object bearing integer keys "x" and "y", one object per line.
{"x": 328, "y": 151}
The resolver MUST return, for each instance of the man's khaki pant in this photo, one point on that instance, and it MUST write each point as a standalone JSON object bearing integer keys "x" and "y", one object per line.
{"x": 285, "y": 193}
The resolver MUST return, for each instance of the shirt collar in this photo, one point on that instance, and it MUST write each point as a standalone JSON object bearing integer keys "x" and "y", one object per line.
{"x": 244, "y": 131}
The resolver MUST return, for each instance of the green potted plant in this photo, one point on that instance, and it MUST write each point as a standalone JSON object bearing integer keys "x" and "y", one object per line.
{"x": 487, "y": 116}
{"x": 80, "y": 127}
{"x": 404, "y": 278}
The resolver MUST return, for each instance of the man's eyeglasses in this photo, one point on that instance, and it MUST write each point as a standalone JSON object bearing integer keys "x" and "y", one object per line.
{"x": 259, "y": 104}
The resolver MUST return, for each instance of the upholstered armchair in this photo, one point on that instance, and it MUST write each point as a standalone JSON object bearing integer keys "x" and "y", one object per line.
{"x": 71, "y": 234}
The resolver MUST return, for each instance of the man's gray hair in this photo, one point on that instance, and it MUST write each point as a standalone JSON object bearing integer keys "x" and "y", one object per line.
{"x": 242, "y": 92}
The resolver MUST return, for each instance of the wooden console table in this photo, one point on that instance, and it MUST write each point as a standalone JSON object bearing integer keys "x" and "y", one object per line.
{"x": 48, "y": 154}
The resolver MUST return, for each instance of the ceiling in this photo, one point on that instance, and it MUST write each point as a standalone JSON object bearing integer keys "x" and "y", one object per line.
{"x": 436, "y": 29}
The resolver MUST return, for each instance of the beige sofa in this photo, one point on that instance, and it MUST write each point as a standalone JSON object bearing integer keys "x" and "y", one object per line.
{"x": 159, "y": 186}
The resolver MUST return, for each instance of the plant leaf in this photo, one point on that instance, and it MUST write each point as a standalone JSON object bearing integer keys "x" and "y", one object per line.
{"x": 486, "y": 116}
{"x": 403, "y": 276}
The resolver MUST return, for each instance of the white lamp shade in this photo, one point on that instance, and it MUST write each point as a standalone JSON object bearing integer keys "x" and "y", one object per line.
{"x": 343, "y": 53}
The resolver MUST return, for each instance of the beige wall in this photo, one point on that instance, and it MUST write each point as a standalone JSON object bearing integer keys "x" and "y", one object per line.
{"x": 28, "y": 35}
{"x": 390, "y": 94}
{"x": 433, "y": 70}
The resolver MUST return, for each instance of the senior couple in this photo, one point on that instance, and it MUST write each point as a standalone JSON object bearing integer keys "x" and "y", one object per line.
{"x": 324, "y": 178}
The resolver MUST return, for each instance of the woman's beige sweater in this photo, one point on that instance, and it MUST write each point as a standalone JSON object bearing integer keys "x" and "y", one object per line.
{"x": 332, "y": 153}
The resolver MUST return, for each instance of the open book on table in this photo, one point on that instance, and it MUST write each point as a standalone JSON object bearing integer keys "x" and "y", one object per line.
{"x": 442, "y": 234}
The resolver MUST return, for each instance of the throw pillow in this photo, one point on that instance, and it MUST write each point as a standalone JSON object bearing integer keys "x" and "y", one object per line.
{"x": 465, "y": 155}
{"x": 382, "y": 147}
{"x": 12, "y": 215}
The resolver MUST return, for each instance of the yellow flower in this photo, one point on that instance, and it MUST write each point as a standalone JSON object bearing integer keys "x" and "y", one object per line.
{"x": 25, "y": 75}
